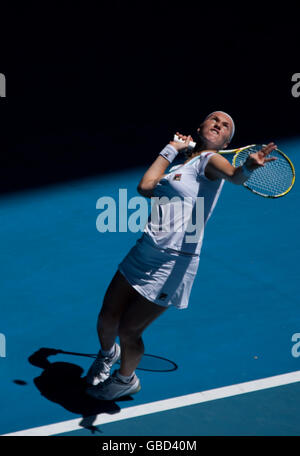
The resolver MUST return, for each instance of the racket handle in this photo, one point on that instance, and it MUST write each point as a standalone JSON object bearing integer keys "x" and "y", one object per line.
{"x": 191, "y": 143}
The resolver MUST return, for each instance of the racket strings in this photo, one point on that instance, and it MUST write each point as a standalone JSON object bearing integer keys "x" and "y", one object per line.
{"x": 272, "y": 179}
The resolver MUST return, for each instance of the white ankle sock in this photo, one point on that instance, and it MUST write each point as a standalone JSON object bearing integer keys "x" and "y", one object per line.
{"x": 110, "y": 353}
{"x": 124, "y": 378}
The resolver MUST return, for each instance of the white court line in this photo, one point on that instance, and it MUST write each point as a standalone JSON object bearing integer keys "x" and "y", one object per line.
{"x": 167, "y": 404}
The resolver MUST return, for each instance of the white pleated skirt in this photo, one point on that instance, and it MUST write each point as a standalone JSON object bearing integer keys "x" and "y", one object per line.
{"x": 163, "y": 276}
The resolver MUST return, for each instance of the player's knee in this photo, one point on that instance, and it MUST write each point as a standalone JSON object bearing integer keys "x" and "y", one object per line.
{"x": 129, "y": 334}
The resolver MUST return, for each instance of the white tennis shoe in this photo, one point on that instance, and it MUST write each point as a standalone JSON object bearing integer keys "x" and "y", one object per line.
{"x": 113, "y": 388}
{"x": 101, "y": 367}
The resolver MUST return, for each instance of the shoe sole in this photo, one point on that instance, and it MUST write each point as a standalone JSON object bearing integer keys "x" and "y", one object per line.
{"x": 129, "y": 393}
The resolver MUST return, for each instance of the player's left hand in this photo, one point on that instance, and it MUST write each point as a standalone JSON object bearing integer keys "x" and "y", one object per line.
{"x": 260, "y": 158}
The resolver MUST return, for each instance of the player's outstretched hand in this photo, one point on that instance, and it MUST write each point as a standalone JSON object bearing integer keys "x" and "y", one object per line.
{"x": 260, "y": 158}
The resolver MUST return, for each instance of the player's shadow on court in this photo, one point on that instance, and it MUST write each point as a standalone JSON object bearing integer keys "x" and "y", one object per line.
{"x": 62, "y": 383}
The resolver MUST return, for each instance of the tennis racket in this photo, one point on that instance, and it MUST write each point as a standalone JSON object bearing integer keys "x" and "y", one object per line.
{"x": 273, "y": 180}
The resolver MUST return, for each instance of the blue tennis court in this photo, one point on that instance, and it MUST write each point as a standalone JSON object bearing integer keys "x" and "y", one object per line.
{"x": 224, "y": 366}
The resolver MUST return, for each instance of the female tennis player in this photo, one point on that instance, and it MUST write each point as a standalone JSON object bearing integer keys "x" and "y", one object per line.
{"x": 159, "y": 271}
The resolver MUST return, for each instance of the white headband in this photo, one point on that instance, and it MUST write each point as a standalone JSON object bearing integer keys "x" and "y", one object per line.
{"x": 233, "y": 126}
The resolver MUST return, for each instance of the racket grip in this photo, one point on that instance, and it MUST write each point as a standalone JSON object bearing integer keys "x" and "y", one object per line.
{"x": 191, "y": 143}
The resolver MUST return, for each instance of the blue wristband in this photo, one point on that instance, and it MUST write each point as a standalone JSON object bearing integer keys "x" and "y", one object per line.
{"x": 169, "y": 153}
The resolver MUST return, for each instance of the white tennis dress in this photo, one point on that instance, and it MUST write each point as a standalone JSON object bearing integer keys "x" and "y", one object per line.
{"x": 163, "y": 263}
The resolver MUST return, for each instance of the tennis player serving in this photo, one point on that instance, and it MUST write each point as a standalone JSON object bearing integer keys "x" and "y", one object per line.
{"x": 159, "y": 270}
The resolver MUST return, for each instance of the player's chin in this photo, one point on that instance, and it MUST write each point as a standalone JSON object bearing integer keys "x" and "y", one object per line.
{"x": 214, "y": 143}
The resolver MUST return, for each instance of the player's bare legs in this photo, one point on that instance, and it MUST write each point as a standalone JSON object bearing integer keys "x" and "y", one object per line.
{"x": 135, "y": 319}
{"x": 124, "y": 313}
{"x": 118, "y": 296}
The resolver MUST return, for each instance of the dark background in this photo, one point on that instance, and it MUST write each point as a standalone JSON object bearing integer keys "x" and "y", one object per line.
{"x": 92, "y": 89}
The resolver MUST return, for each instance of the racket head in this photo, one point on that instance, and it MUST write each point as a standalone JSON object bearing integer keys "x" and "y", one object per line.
{"x": 273, "y": 180}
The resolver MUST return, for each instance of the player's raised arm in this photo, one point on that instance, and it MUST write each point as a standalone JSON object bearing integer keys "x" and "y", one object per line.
{"x": 219, "y": 167}
{"x": 156, "y": 171}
